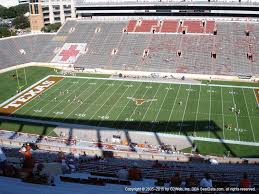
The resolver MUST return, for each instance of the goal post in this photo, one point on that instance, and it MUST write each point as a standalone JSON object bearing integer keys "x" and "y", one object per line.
{"x": 21, "y": 78}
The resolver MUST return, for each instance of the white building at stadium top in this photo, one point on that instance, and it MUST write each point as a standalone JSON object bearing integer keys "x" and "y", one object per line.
{"x": 44, "y": 12}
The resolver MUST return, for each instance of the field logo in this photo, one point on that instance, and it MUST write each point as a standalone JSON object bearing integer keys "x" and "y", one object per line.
{"x": 140, "y": 101}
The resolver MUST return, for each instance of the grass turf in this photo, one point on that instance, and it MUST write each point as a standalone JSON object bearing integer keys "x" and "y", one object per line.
{"x": 8, "y": 83}
{"x": 219, "y": 149}
{"x": 196, "y": 110}
{"x": 28, "y": 127}
{"x": 252, "y": 84}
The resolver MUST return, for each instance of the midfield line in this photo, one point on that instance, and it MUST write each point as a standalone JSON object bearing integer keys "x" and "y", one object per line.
{"x": 209, "y": 114}
{"x": 107, "y": 100}
{"x": 42, "y": 99}
{"x": 148, "y": 107}
{"x": 196, "y": 117}
{"x": 124, "y": 127}
{"x": 83, "y": 101}
{"x": 235, "y": 114}
{"x": 248, "y": 115}
{"x": 185, "y": 109}
{"x": 57, "y": 104}
{"x": 107, "y": 114}
{"x": 170, "y": 116}
{"x": 222, "y": 107}
{"x": 160, "y": 107}
{"x": 128, "y": 102}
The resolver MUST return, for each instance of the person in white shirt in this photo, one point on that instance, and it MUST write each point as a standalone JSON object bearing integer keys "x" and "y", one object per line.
{"x": 206, "y": 182}
{"x": 123, "y": 174}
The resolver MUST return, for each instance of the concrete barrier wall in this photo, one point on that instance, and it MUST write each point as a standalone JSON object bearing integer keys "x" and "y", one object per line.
{"x": 70, "y": 67}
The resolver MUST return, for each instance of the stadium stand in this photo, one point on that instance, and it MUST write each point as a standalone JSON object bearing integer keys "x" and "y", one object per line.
{"x": 207, "y": 47}
{"x": 100, "y": 171}
{"x": 23, "y": 49}
{"x": 70, "y": 163}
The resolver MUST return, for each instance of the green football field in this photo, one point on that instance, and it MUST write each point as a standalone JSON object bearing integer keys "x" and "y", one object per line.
{"x": 182, "y": 109}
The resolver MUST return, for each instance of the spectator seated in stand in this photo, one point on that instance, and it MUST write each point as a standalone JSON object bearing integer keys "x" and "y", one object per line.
{"x": 135, "y": 173}
{"x": 245, "y": 182}
{"x": 176, "y": 180}
{"x": 206, "y": 182}
{"x": 123, "y": 174}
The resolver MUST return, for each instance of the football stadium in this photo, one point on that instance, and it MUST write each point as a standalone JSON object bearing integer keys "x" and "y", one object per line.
{"x": 135, "y": 96}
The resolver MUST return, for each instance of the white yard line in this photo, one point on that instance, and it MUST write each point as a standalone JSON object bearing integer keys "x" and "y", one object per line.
{"x": 43, "y": 98}
{"x": 209, "y": 114}
{"x": 106, "y": 100}
{"x": 249, "y": 115}
{"x": 83, "y": 101}
{"x": 107, "y": 114}
{"x": 67, "y": 104}
{"x": 185, "y": 110}
{"x": 127, "y": 103}
{"x": 197, "y": 110}
{"x": 236, "y": 115}
{"x": 148, "y": 107}
{"x": 160, "y": 107}
{"x": 222, "y": 107}
{"x": 170, "y": 116}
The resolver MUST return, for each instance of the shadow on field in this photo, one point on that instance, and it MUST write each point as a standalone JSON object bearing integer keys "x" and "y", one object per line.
{"x": 185, "y": 128}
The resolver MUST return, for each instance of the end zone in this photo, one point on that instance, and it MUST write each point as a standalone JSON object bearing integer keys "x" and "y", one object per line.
{"x": 23, "y": 98}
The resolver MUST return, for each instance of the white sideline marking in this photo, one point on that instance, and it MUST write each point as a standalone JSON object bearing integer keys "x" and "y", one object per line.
{"x": 154, "y": 81}
{"x": 249, "y": 115}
